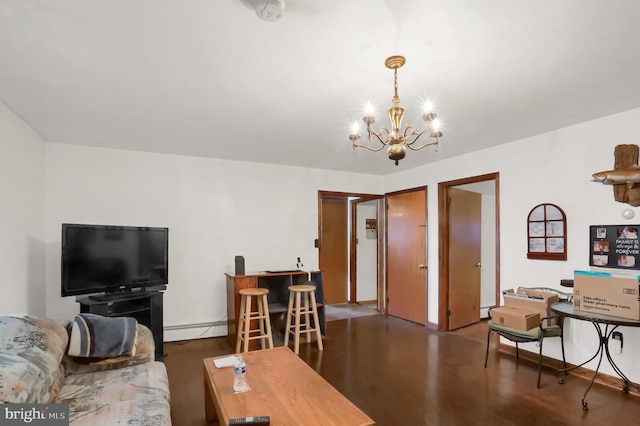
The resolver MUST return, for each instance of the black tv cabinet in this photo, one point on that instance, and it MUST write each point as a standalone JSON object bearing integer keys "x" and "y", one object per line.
{"x": 144, "y": 306}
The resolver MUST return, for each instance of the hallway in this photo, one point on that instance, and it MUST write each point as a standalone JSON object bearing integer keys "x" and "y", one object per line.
{"x": 340, "y": 311}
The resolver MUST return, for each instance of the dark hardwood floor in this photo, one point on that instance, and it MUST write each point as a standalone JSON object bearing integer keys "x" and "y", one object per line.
{"x": 401, "y": 373}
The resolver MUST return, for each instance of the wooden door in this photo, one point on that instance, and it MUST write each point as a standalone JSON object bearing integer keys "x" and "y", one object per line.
{"x": 406, "y": 255}
{"x": 464, "y": 257}
{"x": 333, "y": 253}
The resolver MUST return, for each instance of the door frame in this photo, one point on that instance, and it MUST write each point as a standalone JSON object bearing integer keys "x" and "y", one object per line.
{"x": 443, "y": 238}
{"x": 353, "y": 250}
{"x": 351, "y": 298}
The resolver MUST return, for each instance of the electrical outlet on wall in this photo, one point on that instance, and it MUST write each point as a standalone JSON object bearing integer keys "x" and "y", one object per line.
{"x": 617, "y": 336}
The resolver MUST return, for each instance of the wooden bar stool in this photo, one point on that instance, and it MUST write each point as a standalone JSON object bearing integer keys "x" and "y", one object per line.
{"x": 246, "y": 316}
{"x": 297, "y": 311}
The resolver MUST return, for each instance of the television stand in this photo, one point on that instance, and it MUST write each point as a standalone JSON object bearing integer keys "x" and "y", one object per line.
{"x": 143, "y": 305}
{"x": 126, "y": 293}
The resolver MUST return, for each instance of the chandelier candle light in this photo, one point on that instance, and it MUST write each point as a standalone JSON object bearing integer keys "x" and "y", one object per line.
{"x": 396, "y": 141}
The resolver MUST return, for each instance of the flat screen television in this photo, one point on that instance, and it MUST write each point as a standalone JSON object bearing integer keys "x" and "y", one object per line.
{"x": 113, "y": 259}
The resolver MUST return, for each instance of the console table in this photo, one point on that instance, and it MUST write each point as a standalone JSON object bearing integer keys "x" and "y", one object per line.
{"x": 610, "y": 323}
{"x": 278, "y": 283}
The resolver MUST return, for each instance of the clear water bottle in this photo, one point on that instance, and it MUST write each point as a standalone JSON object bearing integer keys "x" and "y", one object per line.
{"x": 239, "y": 375}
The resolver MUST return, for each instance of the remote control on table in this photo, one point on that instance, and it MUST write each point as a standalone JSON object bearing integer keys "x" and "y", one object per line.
{"x": 255, "y": 420}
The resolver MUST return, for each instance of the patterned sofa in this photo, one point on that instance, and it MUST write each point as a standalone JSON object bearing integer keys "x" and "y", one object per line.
{"x": 34, "y": 368}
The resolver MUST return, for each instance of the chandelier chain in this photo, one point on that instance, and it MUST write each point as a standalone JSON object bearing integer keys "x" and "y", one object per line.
{"x": 396, "y": 99}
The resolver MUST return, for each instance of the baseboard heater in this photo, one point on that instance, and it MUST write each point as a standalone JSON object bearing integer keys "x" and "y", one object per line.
{"x": 196, "y": 325}
{"x": 484, "y": 311}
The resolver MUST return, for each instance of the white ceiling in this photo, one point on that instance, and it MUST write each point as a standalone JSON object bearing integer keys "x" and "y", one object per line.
{"x": 209, "y": 78}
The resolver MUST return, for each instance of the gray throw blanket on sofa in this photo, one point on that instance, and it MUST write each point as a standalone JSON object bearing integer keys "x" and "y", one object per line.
{"x": 95, "y": 336}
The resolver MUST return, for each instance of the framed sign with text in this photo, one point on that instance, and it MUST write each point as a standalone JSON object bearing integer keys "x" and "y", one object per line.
{"x": 614, "y": 246}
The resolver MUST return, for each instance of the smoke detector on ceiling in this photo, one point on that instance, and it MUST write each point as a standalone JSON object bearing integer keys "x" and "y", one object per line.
{"x": 267, "y": 10}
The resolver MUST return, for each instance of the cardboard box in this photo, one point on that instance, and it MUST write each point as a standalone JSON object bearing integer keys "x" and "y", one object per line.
{"x": 606, "y": 294}
{"x": 533, "y": 301}
{"x": 520, "y": 319}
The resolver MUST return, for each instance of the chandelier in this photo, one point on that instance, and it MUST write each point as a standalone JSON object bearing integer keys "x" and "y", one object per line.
{"x": 396, "y": 141}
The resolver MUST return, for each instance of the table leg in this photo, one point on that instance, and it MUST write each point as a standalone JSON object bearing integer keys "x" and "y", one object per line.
{"x": 209, "y": 408}
{"x": 615, "y": 367}
{"x": 599, "y": 353}
{"x": 566, "y": 370}
{"x": 566, "y": 310}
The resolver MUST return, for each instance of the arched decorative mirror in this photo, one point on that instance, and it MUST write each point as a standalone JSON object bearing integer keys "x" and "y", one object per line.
{"x": 547, "y": 233}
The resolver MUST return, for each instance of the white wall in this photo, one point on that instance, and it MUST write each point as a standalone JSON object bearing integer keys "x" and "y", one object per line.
{"x": 556, "y": 168}
{"x": 215, "y": 210}
{"x": 21, "y": 217}
{"x": 367, "y": 253}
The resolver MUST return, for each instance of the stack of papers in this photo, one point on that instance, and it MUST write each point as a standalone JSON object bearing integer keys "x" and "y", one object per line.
{"x": 227, "y": 361}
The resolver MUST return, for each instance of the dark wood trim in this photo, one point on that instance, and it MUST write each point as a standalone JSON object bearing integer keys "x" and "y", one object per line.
{"x": 332, "y": 194}
{"x": 471, "y": 179}
{"x": 353, "y": 262}
{"x": 426, "y": 253}
{"x": 497, "y": 212}
{"x": 402, "y": 191}
{"x": 353, "y": 272}
{"x": 352, "y": 250}
{"x": 443, "y": 249}
{"x": 362, "y": 197}
{"x": 381, "y": 256}
{"x": 443, "y": 240}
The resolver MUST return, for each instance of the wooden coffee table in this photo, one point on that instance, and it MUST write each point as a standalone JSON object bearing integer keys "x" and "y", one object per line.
{"x": 283, "y": 387}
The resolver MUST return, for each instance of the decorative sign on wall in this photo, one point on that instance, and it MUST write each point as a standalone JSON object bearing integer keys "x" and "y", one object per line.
{"x": 614, "y": 246}
{"x": 371, "y": 226}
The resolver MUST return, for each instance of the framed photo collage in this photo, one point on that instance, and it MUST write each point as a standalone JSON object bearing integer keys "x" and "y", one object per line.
{"x": 614, "y": 246}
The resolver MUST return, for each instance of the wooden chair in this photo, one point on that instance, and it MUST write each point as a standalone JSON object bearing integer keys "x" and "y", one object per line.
{"x": 246, "y": 316}
{"x": 299, "y": 315}
{"x": 536, "y": 334}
